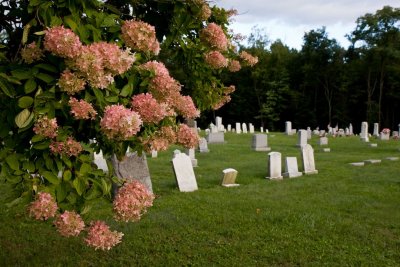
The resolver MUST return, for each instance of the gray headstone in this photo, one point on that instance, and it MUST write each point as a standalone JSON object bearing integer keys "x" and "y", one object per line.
{"x": 184, "y": 173}
{"x": 323, "y": 141}
{"x": 302, "y": 138}
{"x": 191, "y": 153}
{"x": 274, "y": 165}
{"x": 229, "y": 177}
{"x": 154, "y": 154}
{"x": 291, "y": 168}
{"x": 307, "y": 154}
{"x": 364, "y": 132}
{"x": 260, "y": 142}
{"x": 251, "y": 128}
{"x": 215, "y": 138}
{"x": 376, "y": 129}
{"x": 229, "y": 128}
{"x": 288, "y": 128}
{"x": 203, "y": 146}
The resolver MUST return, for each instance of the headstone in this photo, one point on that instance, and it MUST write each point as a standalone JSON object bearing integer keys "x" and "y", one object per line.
{"x": 316, "y": 132}
{"x": 261, "y": 129}
{"x": 372, "y": 161}
{"x": 322, "y": 133}
{"x": 100, "y": 161}
{"x": 330, "y": 130}
{"x": 215, "y": 138}
{"x": 207, "y": 131}
{"x": 376, "y": 130}
{"x": 229, "y": 128}
{"x": 184, "y": 173}
{"x": 229, "y": 177}
{"x": 251, "y": 128}
{"x": 340, "y": 132}
{"x": 260, "y": 142}
{"x": 218, "y": 123}
{"x": 302, "y": 138}
{"x": 244, "y": 127}
{"x": 274, "y": 165}
{"x": 133, "y": 167}
{"x": 238, "y": 129}
{"x": 213, "y": 128}
{"x": 288, "y": 128}
{"x": 395, "y": 134}
{"x": 309, "y": 133}
{"x": 384, "y": 135}
{"x": 203, "y": 146}
{"x": 307, "y": 154}
{"x": 351, "y": 129}
{"x": 191, "y": 153}
{"x": 347, "y": 131}
{"x": 323, "y": 141}
{"x": 294, "y": 131}
{"x": 364, "y": 132}
{"x": 291, "y": 168}
{"x": 154, "y": 153}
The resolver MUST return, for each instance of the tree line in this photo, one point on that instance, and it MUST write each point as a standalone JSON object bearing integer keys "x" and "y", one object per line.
{"x": 322, "y": 83}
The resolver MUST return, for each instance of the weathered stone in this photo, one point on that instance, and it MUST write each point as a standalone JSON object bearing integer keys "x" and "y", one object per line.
{"x": 291, "y": 168}
{"x": 229, "y": 177}
{"x": 184, "y": 173}
{"x": 274, "y": 166}
{"x": 260, "y": 142}
{"x": 307, "y": 153}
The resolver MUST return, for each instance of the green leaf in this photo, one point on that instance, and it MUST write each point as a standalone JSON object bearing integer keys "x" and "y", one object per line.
{"x": 79, "y": 185}
{"x": 26, "y": 33}
{"x": 25, "y": 102}
{"x": 61, "y": 192}
{"x": 40, "y": 32}
{"x": 85, "y": 168}
{"x": 30, "y": 86}
{"x": 99, "y": 97}
{"x": 67, "y": 175}
{"x": 45, "y": 77}
{"x": 126, "y": 90}
{"x": 51, "y": 177}
{"x": 23, "y": 118}
{"x": 12, "y": 161}
{"x": 28, "y": 165}
{"x": 70, "y": 23}
{"x": 21, "y": 74}
{"x": 37, "y": 138}
{"x": 6, "y": 88}
{"x": 42, "y": 145}
{"x": 112, "y": 99}
{"x": 93, "y": 193}
{"x": 47, "y": 67}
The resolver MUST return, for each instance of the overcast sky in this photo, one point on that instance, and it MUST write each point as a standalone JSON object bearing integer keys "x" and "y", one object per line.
{"x": 288, "y": 20}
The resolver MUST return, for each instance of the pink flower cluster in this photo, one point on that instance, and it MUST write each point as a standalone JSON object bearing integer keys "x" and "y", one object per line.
{"x": 62, "y": 42}
{"x": 46, "y": 127}
{"x": 234, "y": 66}
{"x": 132, "y": 201}
{"x": 230, "y": 89}
{"x": 140, "y": 36}
{"x": 156, "y": 67}
{"x": 82, "y": 109}
{"x": 184, "y": 106}
{"x": 248, "y": 59}
{"x": 215, "y": 59}
{"x": 205, "y": 12}
{"x": 101, "y": 237}
{"x": 161, "y": 139}
{"x": 43, "y": 207}
{"x": 223, "y": 100}
{"x": 69, "y": 223}
{"x": 120, "y": 123}
{"x": 70, "y": 82}
{"x": 214, "y": 37}
{"x": 187, "y": 137}
{"x": 149, "y": 109}
{"x": 69, "y": 147}
{"x": 164, "y": 87}
{"x": 31, "y": 53}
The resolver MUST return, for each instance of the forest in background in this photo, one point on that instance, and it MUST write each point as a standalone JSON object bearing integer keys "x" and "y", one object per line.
{"x": 322, "y": 83}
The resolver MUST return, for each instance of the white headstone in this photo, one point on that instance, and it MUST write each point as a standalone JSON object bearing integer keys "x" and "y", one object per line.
{"x": 244, "y": 127}
{"x": 251, "y": 128}
{"x": 218, "y": 123}
{"x": 100, "y": 161}
{"x": 203, "y": 146}
{"x": 351, "y": 129}
{"x": 229, "y": 128}
{"x": 260, "y": 142}
{"x": 323, "y": 141}
{"x": 184, "y": 173}
{"x": 229, "y": 177}
{"x": 262, "y": 129}
{"x": 154, "y": 153}
{"x": 309, "y": 133}
{"x": 238, "y": 129}
{"x": 291, "y": 168}
{"x": 274, "y": 165}
{"x": 384, "y": 136}
{"x": 307, "y": 154}
{"x": 364, "y": 132}
{"x": 288, "y": 128}
{"x": 376, "y": 129}
{"x": 302, "y": 138}
{"x": 191, "y": 153}
{"x": 215, "y": 138}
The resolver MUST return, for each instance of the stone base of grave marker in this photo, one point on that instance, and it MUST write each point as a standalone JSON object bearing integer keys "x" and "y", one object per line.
{"x": 372, "y": 161}
{"x": 392, "y": 158}
{"x": 373, "y": 145}
{"x": 326, "y": 150}
{"x": 357, "y": 163}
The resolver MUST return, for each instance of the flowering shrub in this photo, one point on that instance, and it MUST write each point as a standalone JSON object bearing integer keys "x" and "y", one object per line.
{"x": 44, "y": 207}
{"x": 215, "y": 59}
{"x": 69, "y": 147}
{"x": 248, "y": 59}
{"x": 101, "y": 237}
{"x": 149, "y": 109}
{"x": 234, "y": 66}
{"x": 71, "y": 83}
{"x": 69, "y": 223}
{"x": 140, "y": 36}
{"x": 62, "y": 42}
{"x": 184, "y": 106}
{"x": 214, "y": 37}
{"x": 81, "y": 109}
{"x": 46, "y": 127}
{"x": 187, "y": 137}
{"x": 120, "y": 123}
{"x": 132, "y": 201}
{"x": 31, "y": 53}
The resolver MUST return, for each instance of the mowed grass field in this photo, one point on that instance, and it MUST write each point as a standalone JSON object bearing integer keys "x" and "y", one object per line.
{"x": 343, "y": 216}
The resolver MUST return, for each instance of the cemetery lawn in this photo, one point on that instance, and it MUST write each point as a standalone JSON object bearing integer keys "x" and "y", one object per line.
{"x": 343, "y": 216}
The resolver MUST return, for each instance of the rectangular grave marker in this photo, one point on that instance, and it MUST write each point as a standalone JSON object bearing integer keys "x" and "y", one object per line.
{"x": 229, "y": 177}
{"x": 184, "y": 173}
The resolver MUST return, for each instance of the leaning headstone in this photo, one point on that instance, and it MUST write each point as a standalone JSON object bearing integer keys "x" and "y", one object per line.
{"x": 100, "y": 161}
{"x": 323, "y": 141}
{"x": 229, "y": 177}
{"x": 238, "y": 129}
{"x": 364, "y": 132}
{"x": 184, "y": 173}
{"x": 274, "y": 165}
{"x": 244, "y": 127}
{"x": 133, "y": 167}
{"x": 215, "y": 138}
{"x": 376, "y": 130}
{"x": 191, "y": 153}
{"x": 302, "y": 138}
{"x": 307, "y": 154}
{"x": 260, "y": 142}
{"x": 203, "y": 146}
{"x": 288, "y": 128}
{"x": 291, "y": 168}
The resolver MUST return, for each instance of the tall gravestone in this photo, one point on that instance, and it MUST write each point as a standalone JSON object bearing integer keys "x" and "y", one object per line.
{"x": 351, "y": 129}
{"x": 302, "y": 138}
{"x": 184, "y": 174}
{"x": 291, "y": 168}
{"x": 288, "y": 128}
{"x": 229, "y": 128}
{"x": 262, "y": 129}
{"x": 307, "y": 154}
{"x": 309, "y": 133}
{"x": 251, "y": 128}
{"x": 237, "y": 127}
{"x": 376, "y": 129}
{"x": 244, "y": 127}
{"x": 260, "y": 142}
{"x": 274, "y": 166}
{"x": 364, "y": 132}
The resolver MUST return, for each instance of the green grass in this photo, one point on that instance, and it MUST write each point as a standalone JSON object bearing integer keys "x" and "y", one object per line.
{"x": 343, "y": 216}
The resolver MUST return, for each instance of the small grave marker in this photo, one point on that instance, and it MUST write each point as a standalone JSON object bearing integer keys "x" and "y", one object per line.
{"x": 229, "y": 177}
